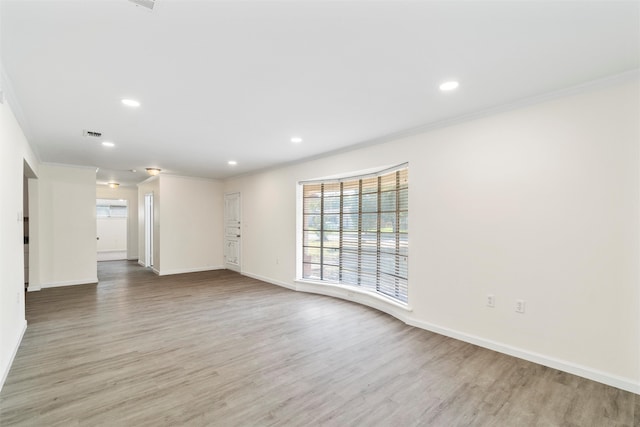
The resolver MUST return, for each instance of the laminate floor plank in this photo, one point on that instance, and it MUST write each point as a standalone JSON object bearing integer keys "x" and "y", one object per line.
{"x": 217, "y": 348}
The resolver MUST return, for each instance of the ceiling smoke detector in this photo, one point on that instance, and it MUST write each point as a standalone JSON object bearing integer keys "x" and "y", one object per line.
{"x": 91, "y": 133}
{"x": 147, "y": 4}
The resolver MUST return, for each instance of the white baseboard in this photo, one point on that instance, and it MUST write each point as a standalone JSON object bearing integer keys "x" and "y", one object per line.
{"x": 140, "y": 263}
{"x": 551, "y": 362}
{"x": 187, "y": 270}
{"x": 155, "y": 270}
{"x": 115, "y": 255}
{"x": 91, "y": 281}
{"x": 16, "y": 346}
{"x": 404, "y": 314}
{"x": 273, "y": 282}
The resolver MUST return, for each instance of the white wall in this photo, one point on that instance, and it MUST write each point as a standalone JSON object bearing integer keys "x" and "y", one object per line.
{"x": 540, "y": 203}
{"x": 188, "y": 226}
{"x": 131, "y": 196}
{"x": 190, "y": 230}
{"x": 14, "y": 151}
{"x": 66, "y": 223}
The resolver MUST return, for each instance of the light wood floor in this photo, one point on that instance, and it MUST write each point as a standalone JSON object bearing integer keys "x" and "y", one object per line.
{"x": 219, "y": 349}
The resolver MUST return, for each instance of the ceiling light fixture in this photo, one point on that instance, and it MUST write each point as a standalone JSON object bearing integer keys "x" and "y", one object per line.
{"x": 113, "y": 185}
{"x": 153, "y": 171}
{"x": 108, "y": 144}
{"x": 131, "y": 102}
{"x": 232, "y": 163}
{"x": 450, "y": 85}
{"x": 296, "y": 139}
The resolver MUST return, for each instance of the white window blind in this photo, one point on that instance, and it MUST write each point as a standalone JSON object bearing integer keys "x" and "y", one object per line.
{"x": 356, "y": 232}
{"x": 111, "y": 208}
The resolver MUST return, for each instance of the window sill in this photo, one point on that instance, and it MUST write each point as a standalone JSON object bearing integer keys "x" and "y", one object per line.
{"x": 355, "y": 294}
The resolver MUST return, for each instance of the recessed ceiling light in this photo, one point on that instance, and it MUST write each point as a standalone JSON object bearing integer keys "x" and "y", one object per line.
{"x": 108, "y": 144}
{"x": 450, "y": 85}
{"x": 232, "y": 163}
{"x": 131, "y": 102}
{"x": 296, "y": 139}
{"x": 113, "y": 185}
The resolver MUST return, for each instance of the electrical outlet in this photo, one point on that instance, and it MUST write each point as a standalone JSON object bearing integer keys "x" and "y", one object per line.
{"x": 491, "y": 301}
{"x": 520, "y": 306}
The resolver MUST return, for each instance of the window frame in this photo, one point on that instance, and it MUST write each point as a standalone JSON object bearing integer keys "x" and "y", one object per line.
{"x": 108, "y": 208}
{"x": 390, "y": 282}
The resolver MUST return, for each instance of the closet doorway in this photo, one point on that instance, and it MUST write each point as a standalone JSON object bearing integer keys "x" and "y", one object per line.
{"x": 111, "y": 227}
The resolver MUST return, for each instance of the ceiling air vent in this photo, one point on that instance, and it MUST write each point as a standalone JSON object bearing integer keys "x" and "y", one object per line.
{"x": 91, "y": 133}
{"x": 147, "y": 4}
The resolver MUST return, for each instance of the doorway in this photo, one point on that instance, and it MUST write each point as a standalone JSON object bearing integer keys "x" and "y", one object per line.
{"x": 25, "y": 227}
{"x": 29, "y": 230}
{"x": 148, "y": 230}
{"x": 112, "y": 229}
{"x": 232, "y": 231}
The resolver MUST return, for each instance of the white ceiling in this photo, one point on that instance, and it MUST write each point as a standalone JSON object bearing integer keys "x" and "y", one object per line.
{"x": 235, "y": 80}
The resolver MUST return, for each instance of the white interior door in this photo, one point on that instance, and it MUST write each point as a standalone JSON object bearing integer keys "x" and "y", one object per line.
{"x": 232, "y": 231}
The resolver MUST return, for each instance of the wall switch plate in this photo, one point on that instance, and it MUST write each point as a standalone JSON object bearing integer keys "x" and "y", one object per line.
{"x": 520, "y": 306}
{"x": 491, "y": 300}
